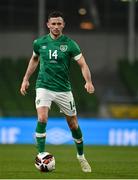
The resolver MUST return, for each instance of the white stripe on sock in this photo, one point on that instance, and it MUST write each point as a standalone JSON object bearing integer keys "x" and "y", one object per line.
{"x": 40, "y": 135}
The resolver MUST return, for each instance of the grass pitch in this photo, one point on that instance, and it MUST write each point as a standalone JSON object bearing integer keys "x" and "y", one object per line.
{"x": 17, "y": 162}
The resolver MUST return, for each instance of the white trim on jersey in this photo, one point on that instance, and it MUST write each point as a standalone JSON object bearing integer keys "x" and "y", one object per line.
{"x": 34, "y": 54}
{"x": 78, "y": 57}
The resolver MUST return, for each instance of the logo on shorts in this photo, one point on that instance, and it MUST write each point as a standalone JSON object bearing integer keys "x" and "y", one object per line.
{"x": 38, "y": 102}
{"x": 63, "y": 48}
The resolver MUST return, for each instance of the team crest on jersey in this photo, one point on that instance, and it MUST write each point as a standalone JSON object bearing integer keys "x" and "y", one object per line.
{"x": 63, "y": 48}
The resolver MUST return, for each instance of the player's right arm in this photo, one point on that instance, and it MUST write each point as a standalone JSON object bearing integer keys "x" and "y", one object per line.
{"x": 33, "y": 63}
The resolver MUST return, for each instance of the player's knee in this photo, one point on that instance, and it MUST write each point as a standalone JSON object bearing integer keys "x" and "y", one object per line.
{"x": 42, "y": 117}
{"x": 72, "y": 122}
{"x": 73, "y": 125}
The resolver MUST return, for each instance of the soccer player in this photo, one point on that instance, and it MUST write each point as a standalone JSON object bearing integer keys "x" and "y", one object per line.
{"x": 54, "y": 52}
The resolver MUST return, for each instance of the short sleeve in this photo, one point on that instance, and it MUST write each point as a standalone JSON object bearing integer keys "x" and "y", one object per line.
{"x": 75, "y": 50}
{"x": 36, "y": 48}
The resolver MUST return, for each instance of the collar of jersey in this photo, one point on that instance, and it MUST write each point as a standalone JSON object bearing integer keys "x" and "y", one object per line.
{"x": 50, "y": 38}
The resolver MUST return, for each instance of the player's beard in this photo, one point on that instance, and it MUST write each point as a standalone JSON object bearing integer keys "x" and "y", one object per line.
{"x": 56, "y": 33}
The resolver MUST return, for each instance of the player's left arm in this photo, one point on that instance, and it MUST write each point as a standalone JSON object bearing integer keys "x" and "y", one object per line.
{"x": 86, "y": 74}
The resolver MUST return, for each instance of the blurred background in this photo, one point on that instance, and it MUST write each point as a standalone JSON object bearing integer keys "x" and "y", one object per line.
{"x": 107, "y": 34}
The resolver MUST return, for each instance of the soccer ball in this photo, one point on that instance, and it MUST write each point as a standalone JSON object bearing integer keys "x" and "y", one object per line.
{"x": 45, "y": 162}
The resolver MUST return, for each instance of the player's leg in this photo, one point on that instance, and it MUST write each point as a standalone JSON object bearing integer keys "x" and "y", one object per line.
{"x": 43, "y": 104}
{"x": 66, "y": 103}
{"x": 77, "y": 135}
{"x": 42, "y": 113}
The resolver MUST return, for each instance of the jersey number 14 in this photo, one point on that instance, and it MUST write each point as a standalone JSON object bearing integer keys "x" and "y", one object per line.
{"x": 53, "y": 54}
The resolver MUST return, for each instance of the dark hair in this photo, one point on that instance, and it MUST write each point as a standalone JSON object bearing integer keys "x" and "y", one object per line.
{"x": 55, "y": 14}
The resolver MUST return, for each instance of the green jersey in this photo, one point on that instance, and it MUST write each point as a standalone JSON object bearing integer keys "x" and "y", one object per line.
{"x": 55, "y": 56}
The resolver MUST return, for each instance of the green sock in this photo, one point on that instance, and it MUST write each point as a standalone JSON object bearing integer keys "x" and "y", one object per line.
{"x": 77, "y": 135}
{"x": 40, "y": 136}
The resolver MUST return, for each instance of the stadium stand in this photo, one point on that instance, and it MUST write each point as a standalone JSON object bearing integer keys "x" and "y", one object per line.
{"x": 129, "y": 75}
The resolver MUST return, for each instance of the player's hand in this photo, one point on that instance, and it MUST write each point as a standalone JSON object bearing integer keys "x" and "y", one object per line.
{"x": 24, "y": 87}
{"x": 89, "y": 87}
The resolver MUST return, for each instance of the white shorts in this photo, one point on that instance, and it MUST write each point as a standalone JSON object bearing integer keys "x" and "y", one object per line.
{"x": 64, "y": 100}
